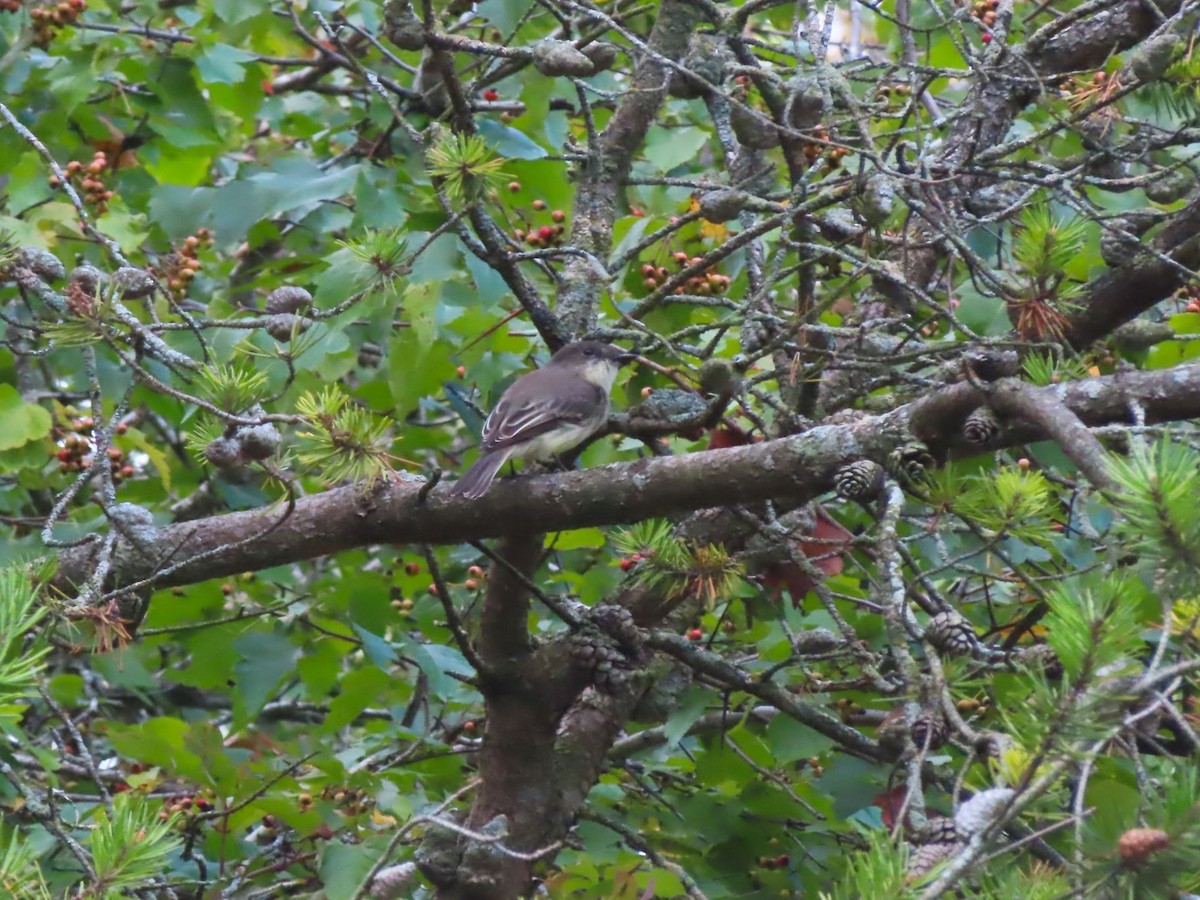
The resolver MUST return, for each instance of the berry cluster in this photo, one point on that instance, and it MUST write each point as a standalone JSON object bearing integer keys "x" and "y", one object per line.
{"x": 707, "y": 283}
{"x": 185, "y": 804}
{"x": 1190, "y": 296}
{"x": 628, "y": 562}
{"x": 535, "y": 235}
{"x": 774, "y": 862}
{"x": 88, "y": 180}
{"x": 985, "y": 11}
{"x": 49, "y": 18}
{"x": 177, "y": 269}
{"x": 77, "y": 450}
{"x": 820, "y": 147}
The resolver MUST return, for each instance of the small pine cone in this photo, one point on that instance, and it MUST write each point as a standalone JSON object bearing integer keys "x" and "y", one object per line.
{"x": 929, "y": 731}
{"x": 812, "y": 641}
{"x": 259, "y": 441}
{"x": 1137, "y": 845}
{"x": 585, "y": 647}
{"x": 617, "y": 622}
{"x": 936, "y": 830}
{"x": 981, "y": 427}
{"x": 911, "y": 462}
{"x": 927, "y": 857}
{"x": 42, "y": 263}
{"x": 89, "y": 278}
{"x": 981, "y": 810}
{"x": 1041, "y": 657}
{"x": 288, "y": 299}
{"x": 394, "y": 881}
{"x": 134, "y": 284}
{"x": 858, "y": 480}
{"x": 224, "y": 453}
{"x": 952, "y": 634}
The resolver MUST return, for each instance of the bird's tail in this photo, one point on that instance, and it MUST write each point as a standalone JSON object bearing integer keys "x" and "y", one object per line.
{"x": 480, "y": 476}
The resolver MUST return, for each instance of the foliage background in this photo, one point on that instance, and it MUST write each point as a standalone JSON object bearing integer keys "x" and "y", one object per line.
{"x": 955, "y": 207}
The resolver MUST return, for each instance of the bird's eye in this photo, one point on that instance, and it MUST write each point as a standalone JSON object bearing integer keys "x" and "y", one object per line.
{"x": 589, "y": 352}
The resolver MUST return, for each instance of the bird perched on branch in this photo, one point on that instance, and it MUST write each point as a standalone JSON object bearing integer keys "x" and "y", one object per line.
{"x": 547, "y": 411}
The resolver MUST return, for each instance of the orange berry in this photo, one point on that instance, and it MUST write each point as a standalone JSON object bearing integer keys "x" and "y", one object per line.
{"x": 695, "y": 634}
{"x": 647, "y": 391}
{"x": 412, "y": 568}
{"x": 539, "y": 204}
{"x": 471, "y": 584}
{"x": 514, "y": 186}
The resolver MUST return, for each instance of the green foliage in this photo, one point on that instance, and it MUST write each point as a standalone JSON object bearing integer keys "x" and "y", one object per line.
{"x": 343, "y": 441}
{"x": 20, "y": 613}
{"x": 131, "y": 846}
{"x": 1012, "y": 502}
{"x": 233, "y": 388}
{"x": 20, "y": 875}
{"x": 673, "y": 568}
{"x": 1158, "y": 485}
{"x": 1045, "y": 244}
{"x": 465, "y": 163}
{"x": 878, "y": 870}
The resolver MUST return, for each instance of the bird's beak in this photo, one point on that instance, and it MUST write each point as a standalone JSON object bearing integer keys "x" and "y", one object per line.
{"x": 623, "y": 358}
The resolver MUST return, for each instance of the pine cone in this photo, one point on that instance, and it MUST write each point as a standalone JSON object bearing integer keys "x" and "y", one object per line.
{"x": 1137, "y": 845}
{"x": 929, "y": 730}
{"x": 981, "y": 810}
{"x": 925, "y": 858}
{"x": 937, "y": 830}
{"x": 288, "y": 299}
{"x": 911, "y": 462}
{"x": 981, "y": 427}
{"x": 1043, "y": 658}
{"x": 952, "y": 634}
{"x": 858, "y": 480}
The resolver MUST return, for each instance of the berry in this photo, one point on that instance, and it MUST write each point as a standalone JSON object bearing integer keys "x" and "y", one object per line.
{"x": 412, "y": 568}
{"x": 558, "y": 215}
{"x": 650, "y": 283}
{"x": 545, "y": 232}
{"x": 491, "y": 95}
{"x": 475, "y": 572}
{"x": 627, "y": 564}
{"x": 695, "y": 634}
{"x": 647, "y": 391}
{"x": 471, "y": 584}
{"x": 461, "y": 371}
{"x": 514, "y": 186}
{"x": 433, "y": 589}
{"x": 539, "y": 205}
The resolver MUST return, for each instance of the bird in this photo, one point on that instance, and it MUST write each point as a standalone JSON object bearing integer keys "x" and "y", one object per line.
{"x": 547, "y": 411}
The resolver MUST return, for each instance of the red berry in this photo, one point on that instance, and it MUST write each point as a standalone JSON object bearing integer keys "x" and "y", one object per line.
{"x": 545, "y": 232}
{"x": 539, "y": 205}
{"x": 558, "y": 215}
{"x": 987, "y": 38}
{"x": 627, "y": 564}
{"x": 490, "y": 95}
{"x": 635, "y": 212}
{"x": 412, "y": 568}
{"x": 695, "y": 634}
{"x": 514, "y": 186}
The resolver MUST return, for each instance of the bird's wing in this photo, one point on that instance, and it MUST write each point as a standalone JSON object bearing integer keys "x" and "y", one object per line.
{"x": 560, "y": 401}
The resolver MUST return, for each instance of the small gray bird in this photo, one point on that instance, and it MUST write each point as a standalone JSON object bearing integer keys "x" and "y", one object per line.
{"x": 547, "y": 411}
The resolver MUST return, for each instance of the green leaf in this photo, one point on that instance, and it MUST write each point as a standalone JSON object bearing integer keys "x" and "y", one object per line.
{"x": 343, "y": 867}
{"x": 378, "y": 650}
{"x": 20, "y": 422}
{"x": 669, "y": 148}
{"x": 266, "y": 658}
{"x": 359, "y": 689}
{"x": 223, "y": 64}
{"x": 509, "y": 142}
